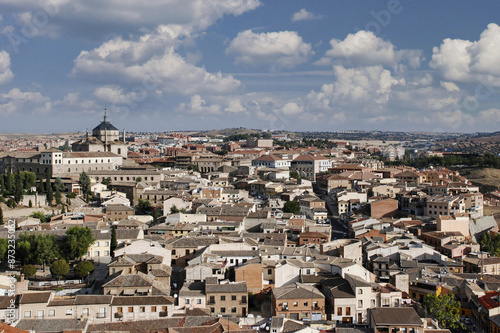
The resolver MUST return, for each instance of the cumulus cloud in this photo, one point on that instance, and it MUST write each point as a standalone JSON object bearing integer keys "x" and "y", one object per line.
{"x": 466, "y": 61}
{"x": 150, "y": 63}
{"x": 16, "y": 100}
{"x": 280, "y": 49}
{"x": 106, "y": 16}
{"x": 198, "y": 105}
{"x": 304, "y": 15}
{"x": 363, "y": 48}
{"x": 5, "y": 72}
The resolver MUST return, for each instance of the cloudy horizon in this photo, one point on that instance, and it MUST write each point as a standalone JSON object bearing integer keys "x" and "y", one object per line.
{"x": 165, "y": 65}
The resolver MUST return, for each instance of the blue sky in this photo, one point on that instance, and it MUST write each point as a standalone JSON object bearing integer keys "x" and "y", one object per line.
{"x": 162, "y": 65}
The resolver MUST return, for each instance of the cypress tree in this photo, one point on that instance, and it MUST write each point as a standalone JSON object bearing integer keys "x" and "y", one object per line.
{"x": 1, "y": 216}
{"x": 114, "y": 242}
{"x": 18, "y": 189}
{"x": 50, "y": 193}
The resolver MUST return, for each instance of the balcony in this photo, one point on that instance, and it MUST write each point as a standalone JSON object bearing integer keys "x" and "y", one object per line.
{"x": 284, "y": 308}
{"x": 119, "y": 315}
{"x": 163, "y": 314}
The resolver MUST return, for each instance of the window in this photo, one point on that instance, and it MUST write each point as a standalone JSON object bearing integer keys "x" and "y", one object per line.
{"x": 306, "y": 303}
{"x": 295, "y": 303}
{"x": 27, "y": 314}
{"x": 119, "y": 309}
{"x": 339, "y": 311}
{"x": 360, "y": 303}
{"x": 85, "y": 311}
{"x": 223, "y": 298}
{"x": 222, "y": 310}
{"x": 52, "y": 313}
{"x": 212, "y": 299}
{"x": 153, "y": 309}
{"x": 244, "y": 299}
{"x": 212, "y": 310}
{"x": 269, "y": 271}
{"x": 106, "y": 243}
{"x": 233, "y": 310}
{"x": 360, "y": 291}
{"x": 173, "y": 252}
{"x": 142, "y": 309}
{"x": 233, "y": 298}
{"x": 130, "y": 309}
{"x": 198, "y": 301}
{"x": 186, "y": 301}
{"x": 348, "y": 311}
{"x": 69, "y": 312}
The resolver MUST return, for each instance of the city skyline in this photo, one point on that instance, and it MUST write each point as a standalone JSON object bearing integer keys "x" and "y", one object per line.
{"x": 279, "y": 65}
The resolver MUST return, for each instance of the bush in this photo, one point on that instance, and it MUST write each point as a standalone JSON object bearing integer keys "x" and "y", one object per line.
{"x": 11, "y": 203}
{"x": 28, "y": 270}
{"x": 71, "y": 195}
{"x": 84, "y": 267}
{"x": 59, "y": 267}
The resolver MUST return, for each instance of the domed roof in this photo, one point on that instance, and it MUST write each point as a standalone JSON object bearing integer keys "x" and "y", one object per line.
{"x": 105, "y": 125}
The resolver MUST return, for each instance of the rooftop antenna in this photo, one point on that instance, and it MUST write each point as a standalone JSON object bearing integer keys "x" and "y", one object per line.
{"x": 105, "y": 115}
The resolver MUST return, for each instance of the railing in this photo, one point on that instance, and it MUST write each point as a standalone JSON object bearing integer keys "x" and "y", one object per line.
{"x": 163, "y": 314}
{"x": 101, "y": 315}
{"x": 119, "y": 315}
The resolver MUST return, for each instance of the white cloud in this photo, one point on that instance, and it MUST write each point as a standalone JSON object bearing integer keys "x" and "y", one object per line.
{"x": 490, "y": 116}
{"x": 280, "y": 49}
{"x": 363, "y": 48}
{"x": 6, "y": 74}
{"x": 304, "y": 15}
{"x": 235, "y": 106}
{"x": 102, "y": 17}
{"x": 465, "y": 61}
{"x": 18, "y": 100}
{"x": 198, "y": 105}
{"x": 150, "y": 63}
{"x": 292, "y": 108}
{"x": 450, "y": 86}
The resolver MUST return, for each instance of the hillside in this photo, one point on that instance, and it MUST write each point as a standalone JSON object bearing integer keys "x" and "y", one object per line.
{"x": 488, "y": 179}
{"x": 229, "y": 131}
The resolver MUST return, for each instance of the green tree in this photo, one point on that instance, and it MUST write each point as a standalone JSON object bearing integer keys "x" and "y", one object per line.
{"x": 37, "y": 249}
{"x": 2, "y": 183}
{"x": 443, "y": 308}
{"x": 114, "y": 242}
{"x": 39, "y": 215}
{"x": 30, "y": 204}
{"x": 29, "y": 180}
{"x": 11, "y": 203}
{"x": 77, "y": 242}
{"x": 84, "y": 183}
{"x": 28, "y": 270}
{"x": 83, "y": 268}
{"x": 58, "y": 185}
{"x": 63, "y": 209}
{"x": 294, "y": 174}
{"x": 107, "y": 181}
{"x": 59, "y": 267}
{"x": 138, "y": 179}
{"x": 1, "y": 216}
{"x": 50, "y": 193}
{"x": 143, "y": 206}
{"x": 183, "y": 211}
{"x": 292, "y": 207}
{"x": 174, "y": 209}
{"x": 47, "y": 181}
{"x": 58, "y": 197}
{"x": 3, "y": 248}
{"x": 18, "y": 189}
{"x": 39, "y": 187}
{"x": 9, "y": 182}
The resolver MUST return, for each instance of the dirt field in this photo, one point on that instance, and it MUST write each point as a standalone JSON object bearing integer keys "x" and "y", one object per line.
{"x": 488, "y": 178}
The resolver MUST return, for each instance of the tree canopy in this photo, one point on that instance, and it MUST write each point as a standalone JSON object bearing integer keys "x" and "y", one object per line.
{"x": 28, "y": 270}
{"x": 77, "y": 242}
{"x": 84, "y": 182}
{"x": 84, "y": 267}
{"x": 292, "y": 207}
{"x": 59, "y": 267}
{"x": 444, "y": 308}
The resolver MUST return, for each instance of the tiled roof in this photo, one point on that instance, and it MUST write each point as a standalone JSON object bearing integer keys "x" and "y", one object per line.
{"x": 141, "y": 300}
{"x": 52, "y": 325}
{"x": 40, "y": 297}
{"x": 226, "y": 288}
{"x": 395, "y": 316}
{"x": 297, "y": 292}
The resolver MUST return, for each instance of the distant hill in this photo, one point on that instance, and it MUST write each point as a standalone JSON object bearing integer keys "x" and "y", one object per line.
{"x": 229, "y": 131}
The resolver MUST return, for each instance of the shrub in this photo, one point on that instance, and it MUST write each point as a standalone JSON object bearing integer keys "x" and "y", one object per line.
{"x": 28, "y": 270}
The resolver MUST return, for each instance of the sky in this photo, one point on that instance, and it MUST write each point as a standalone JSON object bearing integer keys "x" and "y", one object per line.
{"x": 324, "y": 65}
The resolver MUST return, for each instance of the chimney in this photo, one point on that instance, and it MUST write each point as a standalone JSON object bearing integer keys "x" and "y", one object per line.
{"x": 124, "y": 136}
